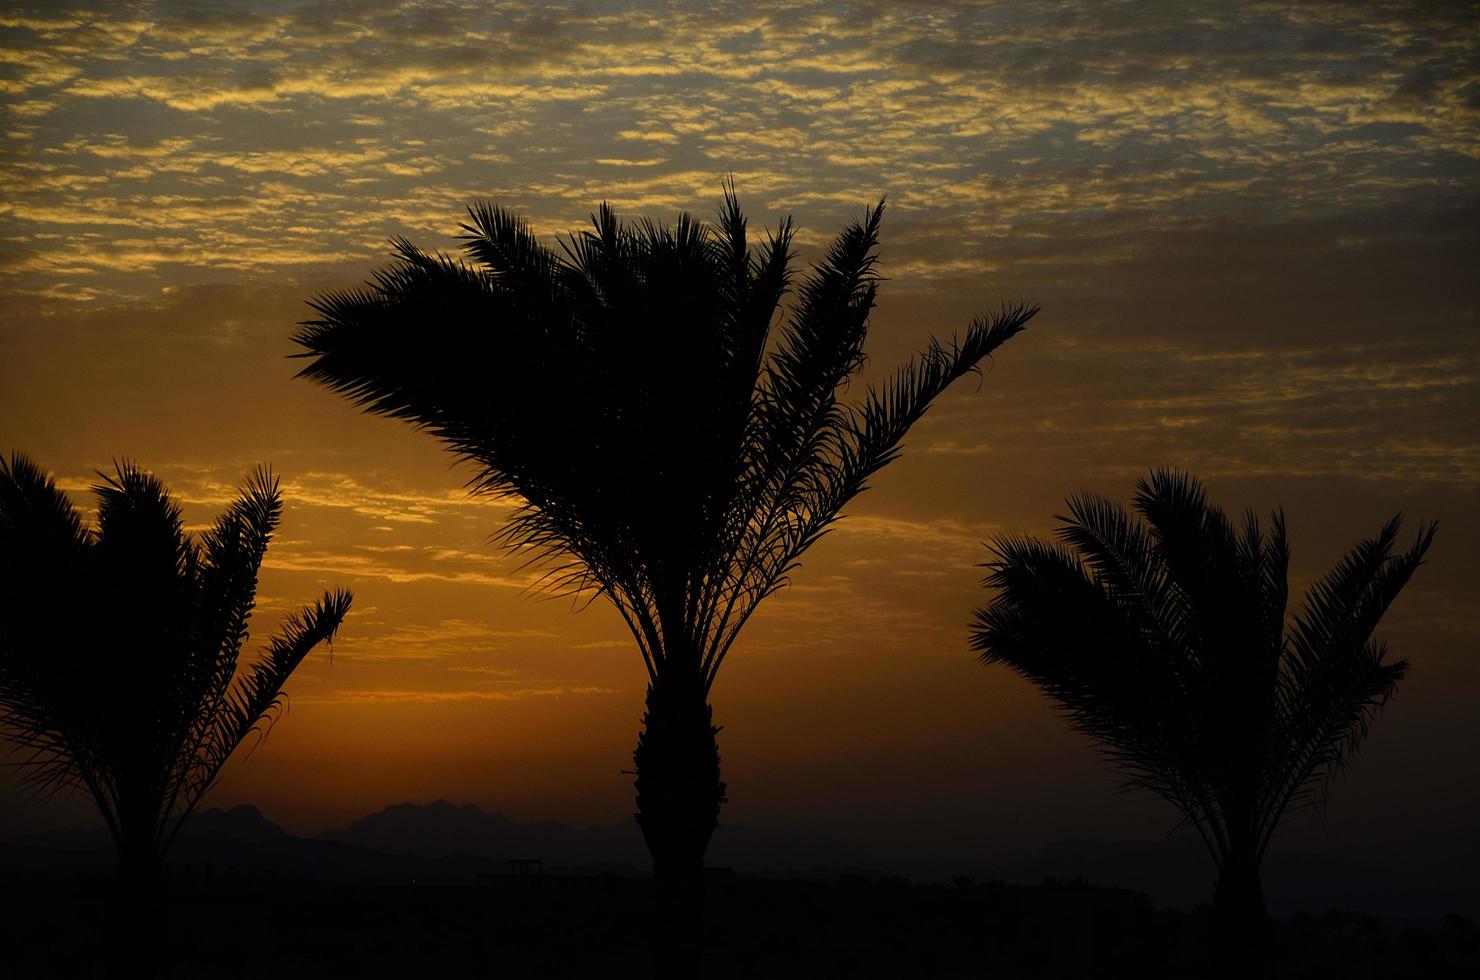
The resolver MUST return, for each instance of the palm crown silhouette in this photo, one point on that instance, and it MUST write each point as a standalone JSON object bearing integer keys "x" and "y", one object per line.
{"x": 119, "y": 647}
{"x": 669, "y": 453}
{"x": 1165, "y": 640}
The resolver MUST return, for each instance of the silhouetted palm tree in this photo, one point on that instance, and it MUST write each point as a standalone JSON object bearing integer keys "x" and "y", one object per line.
{"x": 1165, "y": 640}
{"x": 119, "y": 648}
{"x": 668, "y": 454}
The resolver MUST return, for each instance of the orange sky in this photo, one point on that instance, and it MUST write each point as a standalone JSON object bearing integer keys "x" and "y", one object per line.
{"x": 1253, "y": 235}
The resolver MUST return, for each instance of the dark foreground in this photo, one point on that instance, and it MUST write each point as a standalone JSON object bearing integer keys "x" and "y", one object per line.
{"x": 235, "y": 924}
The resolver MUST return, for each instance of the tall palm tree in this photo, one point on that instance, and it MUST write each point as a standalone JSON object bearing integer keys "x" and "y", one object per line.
{"x": 119, "y": 648}
{"x": 669, "y": 453}
{"x": 1165, "y": 639}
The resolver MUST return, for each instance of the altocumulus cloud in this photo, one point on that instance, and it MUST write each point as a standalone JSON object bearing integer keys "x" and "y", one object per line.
{"x": 292, "y": 134}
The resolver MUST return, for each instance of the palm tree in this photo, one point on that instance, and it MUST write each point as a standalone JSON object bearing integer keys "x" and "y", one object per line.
{"x": 669, "y": 454}
{"x": 1165, "y": 640}
{"x": 119, "y": 647}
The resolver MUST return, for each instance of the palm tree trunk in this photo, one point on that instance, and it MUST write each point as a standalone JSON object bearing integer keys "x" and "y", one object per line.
{"x": 679, "y": 791}
{"x": 1239, "y": 911}
{"x": 134, "y": 919}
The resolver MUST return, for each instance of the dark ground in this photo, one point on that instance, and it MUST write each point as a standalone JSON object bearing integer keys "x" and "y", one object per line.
{"x": 229, "y": 924}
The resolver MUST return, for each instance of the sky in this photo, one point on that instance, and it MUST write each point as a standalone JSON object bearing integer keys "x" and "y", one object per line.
{"x": 1252, "y": 229}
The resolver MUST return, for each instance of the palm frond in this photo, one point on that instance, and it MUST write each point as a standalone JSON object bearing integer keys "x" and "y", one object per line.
{"x": 118, "y": 645}
{"x": 255, "y": 700}
{"x": 670, "y": 446}
{"x": 1055, "y": 625}
{"x": 1165, "y": 640}
{"x": 1335, "y": 679}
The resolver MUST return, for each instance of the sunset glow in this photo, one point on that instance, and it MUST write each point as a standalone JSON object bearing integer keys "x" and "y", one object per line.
{"x": 1252, "y": 229}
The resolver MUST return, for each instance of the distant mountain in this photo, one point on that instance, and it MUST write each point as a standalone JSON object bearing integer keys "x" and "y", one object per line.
{"x": 1175, "y": 871}
{"x": 788, "y": 851}
{"x": 446, "y": 842}
{"x": 243, "y": 822}
{"x": 440, "y": 829}
{"x": 439, "y": 840}
{"x": 1178, "y": 872}
{"x": 73, "y": 841}
{"x": 240, "y": 840}
{"x": 325, "y": 860}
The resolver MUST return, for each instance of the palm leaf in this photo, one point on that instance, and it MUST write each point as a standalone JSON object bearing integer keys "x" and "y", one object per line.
{"x": 666, "y": 451}
{"x": 118, "y": 646}
{"x": 1165, "y": 641}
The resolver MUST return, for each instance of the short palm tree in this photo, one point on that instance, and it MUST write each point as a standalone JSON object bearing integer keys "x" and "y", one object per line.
{"x": 1165, "y": 639}
{"x": 669, "y": 452}
{"x": 119, "y": 648}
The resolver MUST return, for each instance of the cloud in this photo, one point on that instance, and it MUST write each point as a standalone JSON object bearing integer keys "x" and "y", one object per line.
{"x": 1039, "y": 114}
{"x": 420, "y": 696}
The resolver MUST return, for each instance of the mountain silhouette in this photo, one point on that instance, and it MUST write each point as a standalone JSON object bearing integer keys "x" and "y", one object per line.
{"x": 1174, "y": 872}
{"x": 442, "y": 841}
{"x": 441, "y": 829}
{"x": 265, "y": 856}
{"x": 243, "y": 822}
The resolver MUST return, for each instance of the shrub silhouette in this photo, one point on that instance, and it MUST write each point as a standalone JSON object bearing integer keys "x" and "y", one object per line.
{"x": 669, "y": 454}
{"x": 119, "y": 648}
{"x": 1165, "y": 640}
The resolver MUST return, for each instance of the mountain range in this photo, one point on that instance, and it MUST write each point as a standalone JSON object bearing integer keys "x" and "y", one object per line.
{"x": 442, "y": 841}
